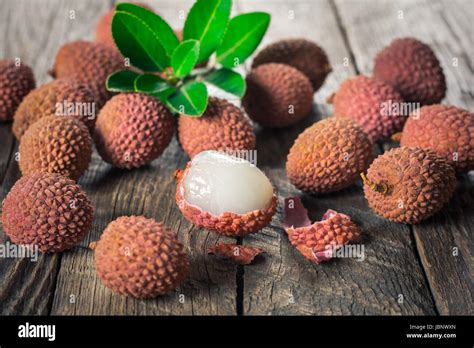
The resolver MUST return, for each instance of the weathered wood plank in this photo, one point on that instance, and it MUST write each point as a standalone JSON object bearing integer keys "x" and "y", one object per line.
{"x": 448, "y": 30}
{"x": 286, "y": 283}
{"x": 210, "y": 286}
{"x": 35, "y": 30}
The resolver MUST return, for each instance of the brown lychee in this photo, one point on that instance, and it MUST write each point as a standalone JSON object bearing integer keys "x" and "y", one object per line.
{"x": 48, "y": 211}
{"x": 445, "y": 129}
{"x": 329, "y": 156}
{"x": 412, "y": 68}
{"x": 318, "y": 241}
{"x": 56, "y": 144}
{"x": 302, "y": 54}
{"x": 222, "y": 127}
{"x": 90, "y": 63}
{"x": 132, "y": 130}
{"x": 140, "y": 257}
{"x": 375, "y": 105}
{"x": 277, "y": 95}
{"x": 225, "y": 194}
{"x": 15, "y": 83}
{"x": 61, "y": 97}
{"x": 409, "y": 184}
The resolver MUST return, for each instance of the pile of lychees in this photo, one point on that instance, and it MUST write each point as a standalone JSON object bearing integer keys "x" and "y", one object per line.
{"x": 143, "y": 258}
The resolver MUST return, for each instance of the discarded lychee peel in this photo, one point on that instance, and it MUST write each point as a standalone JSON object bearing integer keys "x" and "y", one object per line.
{"x": 227, "y": 223}
{"x": 311, "y": 239}
{"x": 240, "y": 254}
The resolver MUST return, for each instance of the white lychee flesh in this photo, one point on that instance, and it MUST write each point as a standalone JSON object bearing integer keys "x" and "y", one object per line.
{"x": 218, "y": 183}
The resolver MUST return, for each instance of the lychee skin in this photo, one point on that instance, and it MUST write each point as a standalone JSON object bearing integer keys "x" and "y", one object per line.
{"x": 89, "y": 63}
{"x": 315, "y": 242}
{"x": 140, "y": 257}
{"x": 48, "y": 211}
{"x": 329, "y": 156}
{"x": 412, "y": 68}
{"x": 44, "y": 100}
{"x": 366, "y": 101}
{"x": 409, "y": 185}
{"x": 228, "y": 223}
{"x": 277, "y": 95}
{"x": 132, "y": 130}
{"x": 447, "y": 130}
{"x": 304, "y": 55}
{"x": 222, "y": 127}
{"x": 56, "y": 144}
{"x": 15, "y": 83}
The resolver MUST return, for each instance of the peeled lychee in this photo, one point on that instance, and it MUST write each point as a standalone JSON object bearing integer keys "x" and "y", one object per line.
{"x": 373, "y": 104}
{"x": 225, "y": 194}
{"x": 329, "y": 156}
{"x": 412, "y": 68}
{"x": 409, "y": 184}
{"x": 304, "y": 55}
{"x": 447, "y": 130}
{"x": 48, "y": 211}
{"x": 318, "y": 241}
{"x": 277, "y": 95}
{"x": 62, "y": 97}
{"x": 15, "y": 83}
{"x": 56, "y": 144}
{"x": 222, "y": 127}
{"x": 132, "y": 130}
{"x": 89, "y": 63}
{"x": 140, "y": 257}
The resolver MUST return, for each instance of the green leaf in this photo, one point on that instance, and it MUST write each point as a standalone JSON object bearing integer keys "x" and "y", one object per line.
{"x": 185, "y": 57}
{"x": 242, "y": 37}
{"x": 227, "y": 80}
{"x": 122, "y": 81}
{"x": 154, "y": 85}
{"x": 137, "y": 41}
{"x": 190, "y": 99}
{"x": 158, "y": 25}
{"x": 206, "y": 22}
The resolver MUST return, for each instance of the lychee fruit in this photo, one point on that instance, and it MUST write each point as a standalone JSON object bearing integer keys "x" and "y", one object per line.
{"x": 318, "y": 241}
{"x": 62, "y": 97}
{"x": 412, "y": 68}
{"x": 373, "y": 104}
{"x": 15, "y": 83}
{"x": 409, "y": 184}
{"x": 329, "y": 156}
{"x": 48, "y": 211}
{"x": 140, "y": 257}
{"x": 90, "y": 63}
{"x": 225, "y": 194}
{"x": 277, "y": 95}
{"x": 302, "y": 54}
{"x": 445, "y": 129}
{"x": 132, "y": 130}
{"x": 222, "y": 127}
{"x": 56, "y": 144}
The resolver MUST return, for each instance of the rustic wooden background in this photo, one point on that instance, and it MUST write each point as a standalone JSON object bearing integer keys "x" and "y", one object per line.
{"x": 411, "y": 270}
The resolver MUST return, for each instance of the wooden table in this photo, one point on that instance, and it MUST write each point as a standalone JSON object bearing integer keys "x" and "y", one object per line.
{"x": 425, "y": 269}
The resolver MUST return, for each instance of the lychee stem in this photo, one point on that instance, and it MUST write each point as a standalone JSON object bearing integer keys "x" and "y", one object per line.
{"x": 397, "y": 137}
{"x": 92, "y": 245}
{"x": 382, "y": 188}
